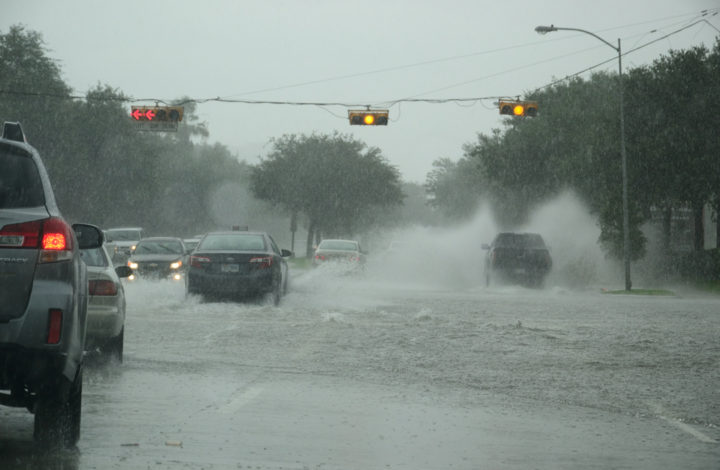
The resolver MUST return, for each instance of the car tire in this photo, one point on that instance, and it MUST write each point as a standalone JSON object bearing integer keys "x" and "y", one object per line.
{"x": 58, "y": 415}
{"x": 117, "y": 346}
{"x": 273, "y": 297}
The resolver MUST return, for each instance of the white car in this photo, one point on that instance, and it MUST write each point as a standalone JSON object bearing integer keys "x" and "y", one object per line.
{"x": 121, "y": 242}
{"x": 339, "y": 252}
{"x": 106, "y": 303}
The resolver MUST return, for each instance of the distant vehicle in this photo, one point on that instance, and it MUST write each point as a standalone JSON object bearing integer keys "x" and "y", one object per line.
{"x": 159, "y": 258}
{"x": 347, "y": 252}
{"x": 518, "y": 257}
{"x": 238, "y": 265}
{"x": 191, "y": 243}
{"x": 43, "y": 295}
{"x": 121, "y": 242}
{"x": 396, "y": 247}
{"x": 106, "y": 305}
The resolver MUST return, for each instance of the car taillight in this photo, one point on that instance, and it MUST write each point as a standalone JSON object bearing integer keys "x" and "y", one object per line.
{"x": 199, "y": 261}
{"x": 56, "y": 241}
{"x": 53, "y": 236}
{"x": 54, "y": 326}
{"x": 102, "y": 287}
{"x": 25, "y": 235}
{"x": 261, "y": 262}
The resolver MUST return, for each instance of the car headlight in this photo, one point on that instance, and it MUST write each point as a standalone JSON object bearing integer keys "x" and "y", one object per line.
{"x": 132, "y": 265}
{"x": 175, "y": 265}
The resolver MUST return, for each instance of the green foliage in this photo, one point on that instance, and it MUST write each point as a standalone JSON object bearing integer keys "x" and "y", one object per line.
{"x": 454, "y": 187}
{"x": 700, "y": 265}
{"x": 103, "y": 170}
{"x": 672, "y": 146}
{"x": 334, "y": 180}
{"x": 651, "y": 292}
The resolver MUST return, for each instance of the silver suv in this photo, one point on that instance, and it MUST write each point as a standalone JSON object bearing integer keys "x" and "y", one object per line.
{"x": 43, "y": 295}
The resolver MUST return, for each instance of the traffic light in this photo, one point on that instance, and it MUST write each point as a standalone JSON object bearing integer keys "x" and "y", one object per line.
{"x": 157, "y": 113}
{"x": 368, "y": 118}
{"x": 519, "y": 108}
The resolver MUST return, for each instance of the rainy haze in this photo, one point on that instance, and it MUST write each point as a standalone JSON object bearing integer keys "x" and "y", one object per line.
{"x": 397, "y": 235}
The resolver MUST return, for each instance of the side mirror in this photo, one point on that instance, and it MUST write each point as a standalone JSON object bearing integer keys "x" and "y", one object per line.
{"x": 286, "y": 253}
{"x": 88, "y": 236}
{"x": 485, "y": 246}
{"x": 123, "y": 271}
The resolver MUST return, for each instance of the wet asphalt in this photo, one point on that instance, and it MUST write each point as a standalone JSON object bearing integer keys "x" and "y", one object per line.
{"x": 360, "y": 373}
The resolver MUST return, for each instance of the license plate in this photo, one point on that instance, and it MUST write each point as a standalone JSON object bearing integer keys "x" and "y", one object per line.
{"x": 230, "y": 268}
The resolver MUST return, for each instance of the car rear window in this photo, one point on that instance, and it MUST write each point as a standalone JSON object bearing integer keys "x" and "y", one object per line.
{"x": 233, "y": 242}
{"x": 159, "y": 247}
{"x": 123, "y": 235}
{"x": 20, "y": 183}
{"x": 94, "y": 257}
{"x": 338, "y": 245}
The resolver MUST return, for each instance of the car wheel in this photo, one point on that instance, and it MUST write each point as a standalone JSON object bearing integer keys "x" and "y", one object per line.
{"x": 118, "y": 344}
{"x": 58, "y": 415}
{"x": 273, "y": 297}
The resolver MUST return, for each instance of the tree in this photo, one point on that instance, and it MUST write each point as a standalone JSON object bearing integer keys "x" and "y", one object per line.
{"x": 455, "y": 188}
{"x": 334, "y": 180}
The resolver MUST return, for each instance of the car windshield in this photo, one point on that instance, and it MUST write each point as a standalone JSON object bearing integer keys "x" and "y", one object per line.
{"x": 94, "y": 257}
{"x": 159, "y": 247}
{"x": 232, "y": 242}
{"x": 20, "y": 183}
{"x": 191, "y": 244}
{"x": 123, "y": 235}
{"x": 340, "y": 245}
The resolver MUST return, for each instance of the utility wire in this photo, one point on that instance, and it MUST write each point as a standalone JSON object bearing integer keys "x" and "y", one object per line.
{"x": 412, "y": 99}
{"x": 443, "y": 59}
{"x": 592, "y": 67}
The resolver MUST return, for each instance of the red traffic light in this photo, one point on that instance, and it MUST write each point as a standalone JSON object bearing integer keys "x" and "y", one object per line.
{"x": 157, "y": 113}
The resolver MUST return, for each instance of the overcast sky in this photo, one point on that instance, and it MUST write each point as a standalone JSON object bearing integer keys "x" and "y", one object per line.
{"x": 363, "y": 52}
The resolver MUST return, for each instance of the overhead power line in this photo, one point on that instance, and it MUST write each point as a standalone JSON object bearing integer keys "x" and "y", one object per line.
{"x": 630, "y": 51}
{"x": 388, "y": 103}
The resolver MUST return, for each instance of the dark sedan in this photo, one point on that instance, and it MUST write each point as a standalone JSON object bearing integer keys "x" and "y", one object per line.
{"x": 238, "y": 265}
{"x": 160, "y": 258}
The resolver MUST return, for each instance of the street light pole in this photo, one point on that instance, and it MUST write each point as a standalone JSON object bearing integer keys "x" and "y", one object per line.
{"x": 626, "y": 222}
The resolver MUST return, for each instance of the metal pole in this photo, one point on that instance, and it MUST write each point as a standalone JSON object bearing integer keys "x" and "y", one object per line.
{"x": 626, "y": 217}
{"x": 626, "y": 222}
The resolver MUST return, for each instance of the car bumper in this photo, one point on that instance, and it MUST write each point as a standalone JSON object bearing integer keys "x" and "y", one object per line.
{"x": 104, "y": 322}
{"x": 29, "y": 367}
{"x": 245, "y": 284}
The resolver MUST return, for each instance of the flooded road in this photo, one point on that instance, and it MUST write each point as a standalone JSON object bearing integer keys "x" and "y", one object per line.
{"x": 355, "y": 374}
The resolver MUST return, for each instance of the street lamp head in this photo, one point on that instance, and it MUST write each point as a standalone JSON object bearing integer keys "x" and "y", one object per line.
{"x": 545, "y": 29}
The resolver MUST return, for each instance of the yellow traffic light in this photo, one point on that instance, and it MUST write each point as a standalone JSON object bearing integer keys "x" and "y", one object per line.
{"x": 368, "y": 118}
{"x": 518, "y": 108}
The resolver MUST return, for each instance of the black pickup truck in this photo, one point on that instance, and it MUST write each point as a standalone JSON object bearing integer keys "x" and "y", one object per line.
{"x": 518, "y": 257}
